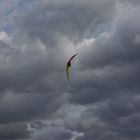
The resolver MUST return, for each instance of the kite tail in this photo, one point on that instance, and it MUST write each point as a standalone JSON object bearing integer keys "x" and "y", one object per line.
{"x": 67, "y": 72}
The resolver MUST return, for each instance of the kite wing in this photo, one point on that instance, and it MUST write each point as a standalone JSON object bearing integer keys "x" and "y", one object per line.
{"x": 69, "y": 65}
{"x": 73, "y": 56}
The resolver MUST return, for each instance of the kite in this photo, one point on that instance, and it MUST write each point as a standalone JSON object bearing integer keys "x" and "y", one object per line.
{"x": 69, "y": 65}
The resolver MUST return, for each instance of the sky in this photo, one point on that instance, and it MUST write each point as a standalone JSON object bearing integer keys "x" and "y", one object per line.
{"x": 100, "y": 101}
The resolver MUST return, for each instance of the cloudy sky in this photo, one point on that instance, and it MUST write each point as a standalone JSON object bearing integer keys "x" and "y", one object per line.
{"x": 101, "y": 101}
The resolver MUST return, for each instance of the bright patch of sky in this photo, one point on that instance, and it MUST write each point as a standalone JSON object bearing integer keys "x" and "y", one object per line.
{"x": 7, "y": 9}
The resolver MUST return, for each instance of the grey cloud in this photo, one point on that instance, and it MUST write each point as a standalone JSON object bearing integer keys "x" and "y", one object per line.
{"x": 86, "y": 123}
{"x": 73, "y": 19}
{"x": 121, "y": 115}
{"x": 104, "y": 82}
{"x": 14, "y": 131}
{"x": 18, "y": 109}
{"x": 109, "y": 66}
{"x": 113, "y": 119}
{"x": 25, "y": 67}
{"x": 135, "y": 2}
{"x": 107, "y": 83}
{"x": 26, "y": 107}
{"x": 118, "y": 46}
{"x": 53, "y": 134}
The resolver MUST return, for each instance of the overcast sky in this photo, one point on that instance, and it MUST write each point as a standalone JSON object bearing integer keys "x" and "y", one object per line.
{"x": 100, "y": 101}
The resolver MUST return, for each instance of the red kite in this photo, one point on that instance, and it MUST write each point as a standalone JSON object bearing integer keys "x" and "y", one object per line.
{"x": 69, "y": 65}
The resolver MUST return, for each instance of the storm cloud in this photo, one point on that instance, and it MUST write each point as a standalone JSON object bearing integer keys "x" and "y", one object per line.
{"x": 101, "y": 99}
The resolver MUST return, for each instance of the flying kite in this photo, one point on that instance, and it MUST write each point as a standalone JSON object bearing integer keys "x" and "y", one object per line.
{"x": 69, "y": 65}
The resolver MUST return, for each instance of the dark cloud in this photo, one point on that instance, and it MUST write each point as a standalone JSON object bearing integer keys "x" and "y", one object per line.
{"x": 53, "y": 134}
{"x": 13, "y": 131}
{"x": 135, "y": 2}
{"x": 25, "y": 107}
{"x": 110, "y": 63}
{"x": 74, "y": 19}
{"x": 121, "y": 115}
{"x": 101, "y": 99}
{"x": 25, "y": 68}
